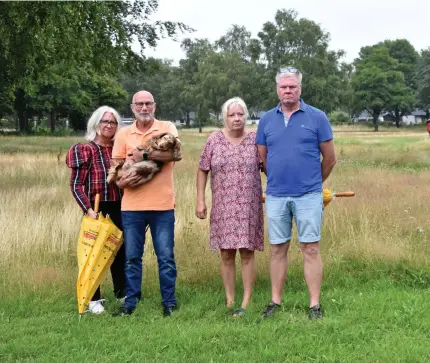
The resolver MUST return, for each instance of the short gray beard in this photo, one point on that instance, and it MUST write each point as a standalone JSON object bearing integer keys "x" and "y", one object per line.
{"x": 145, "y": 119}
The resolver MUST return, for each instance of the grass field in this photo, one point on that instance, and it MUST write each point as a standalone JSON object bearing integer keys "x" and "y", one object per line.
{"x": 375, "y": 246}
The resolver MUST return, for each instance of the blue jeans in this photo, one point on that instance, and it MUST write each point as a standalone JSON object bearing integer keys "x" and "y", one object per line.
{"x": 162, "y": 225}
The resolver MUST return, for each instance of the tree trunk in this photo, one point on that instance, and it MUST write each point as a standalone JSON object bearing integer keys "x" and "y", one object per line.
{"x": 187, "y": 118}
{"x": 397, "y": 116}
{"x": 52, "y": 119}
{"x": 375, "y": 115}
{"x": 21, "y": 111}
{"x": 375, "y": 124}
{"x": 200, "y": 120}
{"x": 77, "y": 121}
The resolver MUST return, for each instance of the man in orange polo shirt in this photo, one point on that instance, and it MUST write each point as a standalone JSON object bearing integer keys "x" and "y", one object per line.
{"x": 151, "y": 204}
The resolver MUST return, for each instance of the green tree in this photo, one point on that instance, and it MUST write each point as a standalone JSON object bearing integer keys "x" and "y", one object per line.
{"x": 346, "y": 97}
{"x": 152, "y": 79}
{"x": 407, "y": 57}
{"x": 82, "y": 35}
{"x": 376, "y": 82}
{"x": 254, "y": 85}
{"x": 176, "y": 103}
{"x": 403, "y": 95}
{"x": 424, "y": 79}
{"x": 189, "y": 90}
{"x": 60, "y": 90}
{"x": 218, "y": 78}
{"x": 214, "y": 73}
{"x": 290, "y": 41}
{"x": 238, "y": 40}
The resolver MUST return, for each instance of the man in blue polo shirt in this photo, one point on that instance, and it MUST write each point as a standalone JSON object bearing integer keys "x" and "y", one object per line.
{"x": 291, "y": 138}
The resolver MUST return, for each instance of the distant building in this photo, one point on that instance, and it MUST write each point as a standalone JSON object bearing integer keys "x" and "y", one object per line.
{"x": 127, "y": 121}
{"x": 366, "y": 116}
{"x": 414, "y": 117}
{"x": 388, "y": 116}
{"x": 182, "y": 122}
{"x": 254, "y": 117}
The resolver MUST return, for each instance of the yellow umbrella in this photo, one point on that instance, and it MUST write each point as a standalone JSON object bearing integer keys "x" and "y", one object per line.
{"x": 328, "y": 196}
{"x": 99, "y": 241}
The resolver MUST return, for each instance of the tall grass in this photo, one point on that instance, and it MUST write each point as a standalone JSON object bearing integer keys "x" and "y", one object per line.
{"x": 387, "y": 219}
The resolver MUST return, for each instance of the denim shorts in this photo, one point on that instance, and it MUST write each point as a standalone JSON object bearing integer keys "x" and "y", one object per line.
{"x": 307, "y": 211}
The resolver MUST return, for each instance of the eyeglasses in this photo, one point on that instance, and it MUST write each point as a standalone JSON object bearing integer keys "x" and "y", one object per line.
{"x": 288, "y": 70}
{"x": 109, "y": 122}
{"x": 147, "y": 104}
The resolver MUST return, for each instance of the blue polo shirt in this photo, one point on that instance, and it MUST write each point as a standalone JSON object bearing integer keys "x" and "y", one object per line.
{"x": 293, "y": 153}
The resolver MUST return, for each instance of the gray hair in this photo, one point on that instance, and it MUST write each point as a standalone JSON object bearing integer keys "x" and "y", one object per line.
{"x": 95, "y": 119}
{"x": 231, "y": 102}
{"x": 280, "y": 75}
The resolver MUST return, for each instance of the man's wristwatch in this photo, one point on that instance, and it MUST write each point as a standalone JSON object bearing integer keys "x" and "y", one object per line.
{"x": 145, "y": 155}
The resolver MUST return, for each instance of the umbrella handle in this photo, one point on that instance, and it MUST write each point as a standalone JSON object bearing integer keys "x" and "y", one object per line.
{"x": 344, "y": 194}
{"x": 97, "y": 203}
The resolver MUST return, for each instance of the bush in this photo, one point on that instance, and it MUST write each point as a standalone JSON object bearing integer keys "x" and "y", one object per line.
{"x": 7, "y": 124}
{"x": 339, "y": 118}
{"x": 59, "y": 131}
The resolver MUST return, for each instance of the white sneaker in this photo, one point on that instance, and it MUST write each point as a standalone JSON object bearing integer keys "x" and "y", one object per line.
{"x": 96, "y": 307}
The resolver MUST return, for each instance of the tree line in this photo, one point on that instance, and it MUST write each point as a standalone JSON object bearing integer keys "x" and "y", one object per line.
{"x": 64, "y": 59}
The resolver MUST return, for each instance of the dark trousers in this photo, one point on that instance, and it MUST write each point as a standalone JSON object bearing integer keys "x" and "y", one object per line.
{"x": 117, "y": 268}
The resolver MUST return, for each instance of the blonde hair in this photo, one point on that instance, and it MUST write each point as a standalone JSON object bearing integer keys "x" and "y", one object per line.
{"x": 94, "y": 120}
{"x": 233, "y": 101}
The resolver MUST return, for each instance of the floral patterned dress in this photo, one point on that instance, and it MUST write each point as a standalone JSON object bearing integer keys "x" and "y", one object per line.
{"x": 236, "y": 218}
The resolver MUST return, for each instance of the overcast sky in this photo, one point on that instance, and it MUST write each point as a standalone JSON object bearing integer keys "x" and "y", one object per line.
{"x": 351, "y": 23}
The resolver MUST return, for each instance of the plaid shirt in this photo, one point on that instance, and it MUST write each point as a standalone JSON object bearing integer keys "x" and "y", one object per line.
{"x": 90, "y": 164}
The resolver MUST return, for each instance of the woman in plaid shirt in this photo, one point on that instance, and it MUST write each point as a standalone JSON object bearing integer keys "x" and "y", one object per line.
{"x": 90, "y": 163}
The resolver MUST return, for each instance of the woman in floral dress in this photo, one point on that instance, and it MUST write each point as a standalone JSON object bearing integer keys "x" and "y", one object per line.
{"x": 236, "y": 219}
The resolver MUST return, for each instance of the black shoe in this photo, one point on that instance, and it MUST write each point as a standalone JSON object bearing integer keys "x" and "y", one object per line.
{"x": 168, "y": 310}
{"x": 271, "y": 309}
{"x": 315, "y": 312}
{"x": 124, "y": 311}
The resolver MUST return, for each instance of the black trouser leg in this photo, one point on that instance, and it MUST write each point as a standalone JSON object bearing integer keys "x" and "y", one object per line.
{"x": 118, "y": 273}
{"x": 113, "y": 209}
{"x": 96, "y": 295}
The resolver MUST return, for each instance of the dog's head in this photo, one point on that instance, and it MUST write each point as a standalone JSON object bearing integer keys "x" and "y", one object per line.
{"x": 165, "y": 141}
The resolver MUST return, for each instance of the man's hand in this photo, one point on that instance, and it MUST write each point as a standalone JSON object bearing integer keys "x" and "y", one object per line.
{"x": 262, "y": 151}
{"x": 201, "y": 210}
{"x": 136, "y": 155}
{"x": 129, "y": 180}
{"x": 328, "y": 158}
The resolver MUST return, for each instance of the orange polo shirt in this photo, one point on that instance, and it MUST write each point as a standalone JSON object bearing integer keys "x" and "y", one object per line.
{"x": 158, "y": 193}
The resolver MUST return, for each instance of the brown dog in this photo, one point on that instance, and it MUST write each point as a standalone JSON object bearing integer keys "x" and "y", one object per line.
{"x": 145, "y": 168}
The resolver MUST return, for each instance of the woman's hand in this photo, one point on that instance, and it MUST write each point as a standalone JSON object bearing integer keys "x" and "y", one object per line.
{"x": 201, "y": 210}
{"x": 92, "y": 214}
